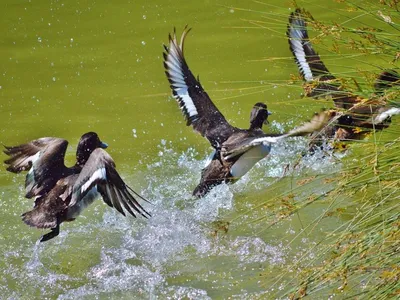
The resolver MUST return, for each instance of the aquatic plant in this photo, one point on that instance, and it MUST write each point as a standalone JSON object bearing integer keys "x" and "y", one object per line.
{"x": 352, "y": 247}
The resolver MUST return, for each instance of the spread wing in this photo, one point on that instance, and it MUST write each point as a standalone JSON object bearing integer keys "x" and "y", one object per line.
{"x": 49, "y": 206}
{"x": 233, "y": 149}
{"x": 99, "y": 171}
{"x": 320, "y": 82}
{"x": 307, "y": 59}
{"x": 196, "y": 105}
{"x": 44, "y": 158}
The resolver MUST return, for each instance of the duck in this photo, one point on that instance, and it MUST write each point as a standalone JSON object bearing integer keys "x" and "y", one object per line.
{"x": 358, "y": 116}
{"x": 386, "y": 80}
{"x": 235, "y": 150}
{"x": 61, "y": 193}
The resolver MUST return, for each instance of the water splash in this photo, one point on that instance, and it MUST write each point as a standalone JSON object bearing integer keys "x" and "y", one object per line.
{"x": 148, "y": 258}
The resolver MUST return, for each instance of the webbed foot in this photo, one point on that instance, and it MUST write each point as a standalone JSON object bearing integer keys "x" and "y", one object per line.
{"x": 52, "y": 234}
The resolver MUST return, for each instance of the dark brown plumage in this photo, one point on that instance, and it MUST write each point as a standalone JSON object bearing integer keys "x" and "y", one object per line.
{"x": 61, "y": 193}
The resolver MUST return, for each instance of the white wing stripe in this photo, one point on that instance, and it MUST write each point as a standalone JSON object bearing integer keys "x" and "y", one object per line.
{"x": 176, "y": 76}
{"x": 264, "y": 140}
{"x": 32, "y": 158}
{"x": 98, "y": 174}
{"x": 173, "y": 68}
{"x": 296, "y": 40}
{"x": 187, "y": 101}
{"x": 177, "y": 80}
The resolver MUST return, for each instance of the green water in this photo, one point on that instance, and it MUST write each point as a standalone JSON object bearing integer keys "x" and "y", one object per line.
{"x": 68, "y": 67}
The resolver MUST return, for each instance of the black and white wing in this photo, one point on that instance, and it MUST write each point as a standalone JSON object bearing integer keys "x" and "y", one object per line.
{"x": 308, "y": 61}
{"x": 44, "y": 158}
{"x": 196, "y": 105}
{"x": 322, "y": 83}
{"x": 231, "y": 150}
{"x": 99, "y": 172}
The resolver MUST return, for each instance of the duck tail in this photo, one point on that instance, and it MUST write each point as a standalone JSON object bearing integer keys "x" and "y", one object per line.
{"x": 205, "y": 186}
{"x": 201, "y": 190}
{"x": 387, "y": 79}
{"x": 40, "y": 219}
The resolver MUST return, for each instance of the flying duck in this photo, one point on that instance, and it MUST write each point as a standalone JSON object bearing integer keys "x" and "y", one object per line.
{"x": 358, "y": 116}
{"x": 236, "y": 150}
{"x": 61, "y": 193}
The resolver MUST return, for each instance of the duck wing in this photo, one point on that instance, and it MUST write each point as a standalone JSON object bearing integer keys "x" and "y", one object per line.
{"x": 99, "y": 172}
{"x": 372, "y": 113}
{"x": 236, "y": 147}
{"x": 321, "y": 83}
{"x": 307, "y": 59}
{"x": 196, "y": 105}
{"x": 45, "y": 213}
{"x": 44, "y": 158}
{"x": 386, "y": 80}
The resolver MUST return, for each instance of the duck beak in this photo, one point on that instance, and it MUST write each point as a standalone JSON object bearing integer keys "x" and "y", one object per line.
{"x": 266, "y": 122}
{"x": 103, "y": 145}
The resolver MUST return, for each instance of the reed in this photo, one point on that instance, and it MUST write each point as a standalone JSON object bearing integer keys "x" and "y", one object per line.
{"x": 360, "y": 258}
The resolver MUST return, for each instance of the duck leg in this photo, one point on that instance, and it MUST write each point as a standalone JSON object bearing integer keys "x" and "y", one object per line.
{"x": 52, "y": 234}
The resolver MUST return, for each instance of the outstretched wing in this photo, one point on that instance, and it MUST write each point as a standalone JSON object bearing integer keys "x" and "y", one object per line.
{"x": 44, "y": 158}
{"x": 99, "y": 171}
{"x": 230, "y": 151}
{"x": 320, "y": 82}
{"x": 310, "y": 65}
{"x": 48, "y": 207}
{"x": 196, "y": 105}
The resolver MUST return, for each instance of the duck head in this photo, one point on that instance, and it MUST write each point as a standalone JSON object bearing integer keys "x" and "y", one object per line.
{"x": 87, "y": 144}
{"x": 259, "y": 115}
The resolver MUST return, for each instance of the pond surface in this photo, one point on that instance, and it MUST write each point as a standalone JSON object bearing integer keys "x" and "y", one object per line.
{"x": 68, "y": 67}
